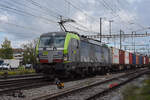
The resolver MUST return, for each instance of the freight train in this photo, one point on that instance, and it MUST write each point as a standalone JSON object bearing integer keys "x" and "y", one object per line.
{"x": 68, "y": 54}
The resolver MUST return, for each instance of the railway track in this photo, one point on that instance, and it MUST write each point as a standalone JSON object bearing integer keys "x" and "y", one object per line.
{"x": 94, "y": 90}
{"x": 10, "y": 85}
{"x": 19, "y": 76}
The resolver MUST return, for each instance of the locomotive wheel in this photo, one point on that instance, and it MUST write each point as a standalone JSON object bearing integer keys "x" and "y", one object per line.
{"x": 38, "y": 70}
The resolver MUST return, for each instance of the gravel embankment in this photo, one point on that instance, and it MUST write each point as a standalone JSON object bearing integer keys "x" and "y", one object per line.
{"x": 50, "y": 89}
{"x": 117, "y": 94}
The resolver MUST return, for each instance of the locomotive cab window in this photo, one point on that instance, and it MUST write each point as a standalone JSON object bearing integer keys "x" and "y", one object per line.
{"x": 52, "y": 41}
{"x": 45, "y": 41}
{"x": 59, "y": 41}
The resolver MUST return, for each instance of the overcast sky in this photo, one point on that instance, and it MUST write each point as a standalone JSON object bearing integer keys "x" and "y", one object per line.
{"x": 24, "y": 20}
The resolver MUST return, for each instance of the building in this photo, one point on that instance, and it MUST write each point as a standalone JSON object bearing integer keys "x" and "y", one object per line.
{"x": 18, "y": 54}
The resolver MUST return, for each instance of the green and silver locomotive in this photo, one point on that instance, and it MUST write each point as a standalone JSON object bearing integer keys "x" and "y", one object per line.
{"x": 63, "y": 54}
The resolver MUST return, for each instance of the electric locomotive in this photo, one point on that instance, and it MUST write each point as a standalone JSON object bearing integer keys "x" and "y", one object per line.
{"x": 63, "y": 54}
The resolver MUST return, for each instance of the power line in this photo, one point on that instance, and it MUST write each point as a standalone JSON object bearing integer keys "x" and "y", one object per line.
{"x": 31, "y": 8}
{"x": 79, "y": 28}
{"x": 20, "y": 26}
{"x": 46, "y": 9}
{"x": 107, "y": 6}
{"x": 43, "y": 8}
{"x": 27, "y": 13}
{"x": 138, "y": 24}
{"x": 14, "y": 32}
{"x": 79, "y": 9}
{"x": 122, "y": 35}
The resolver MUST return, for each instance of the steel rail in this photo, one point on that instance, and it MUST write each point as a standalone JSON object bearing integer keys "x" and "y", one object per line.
{"x": 74, "y": 89}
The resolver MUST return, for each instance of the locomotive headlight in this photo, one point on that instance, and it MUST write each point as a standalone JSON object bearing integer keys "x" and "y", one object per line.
{"x": 37, "y": 59}
{"x": 65, "y": 57}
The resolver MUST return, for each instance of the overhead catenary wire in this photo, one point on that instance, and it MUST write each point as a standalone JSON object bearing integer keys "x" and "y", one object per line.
{"x": 35, "y": 3}
{"x": 16, "y": 32}
{"x": 20, "y": 26}
{"x": 44, "y": 8}
{"x": 79, "y": 9}
{"x": 105, "y": 5}
{"x": 27, "y": 13}
{"x": 126, "y": 9}
{"x": 23, "y": 13}
{"x": 65, "y": 0}
{"x": 31, "y": 8}
{"x": 113, "y": 12}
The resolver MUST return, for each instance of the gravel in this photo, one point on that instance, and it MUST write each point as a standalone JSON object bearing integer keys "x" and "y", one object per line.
{"x": 117, "y": 94}
{"x": 50, "y": 89}
{"x": 86, "y": 93}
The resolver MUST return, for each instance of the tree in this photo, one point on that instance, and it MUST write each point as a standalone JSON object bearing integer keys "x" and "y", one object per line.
{"x": 29, "y": 56}
{"x": 6, "y": 52}
{"x": 0, "y": 53}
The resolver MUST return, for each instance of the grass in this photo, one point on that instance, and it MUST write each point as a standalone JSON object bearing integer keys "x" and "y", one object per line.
{"x": 133, "y": 92}
{"x": 19, "y": 71}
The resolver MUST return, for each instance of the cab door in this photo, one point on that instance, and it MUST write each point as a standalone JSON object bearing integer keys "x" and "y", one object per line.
{"x": 77, "y": 51}
{"x": 73, "y": 49}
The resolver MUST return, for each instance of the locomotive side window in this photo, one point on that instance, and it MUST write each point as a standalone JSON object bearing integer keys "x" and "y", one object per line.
{"x": 75, "y": 43}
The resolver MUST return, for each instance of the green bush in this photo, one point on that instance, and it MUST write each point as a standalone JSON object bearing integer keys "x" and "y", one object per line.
{"x": 19, "y": 71}
{"x": 133, "y": 92}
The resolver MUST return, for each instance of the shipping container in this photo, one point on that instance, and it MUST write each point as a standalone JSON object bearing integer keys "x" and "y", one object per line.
{"x": 126, "y": 57}
{"x": 137, "y": 59}
{"x": 143, "y": 60}
{"x": 140, "y": 59}
{"x": 130, "y": 58}
{"x": 121, "y": 57}
{"x": 115, "y": 55}
{"x": 147, "y": 60}
{"x": 134, "y": 58}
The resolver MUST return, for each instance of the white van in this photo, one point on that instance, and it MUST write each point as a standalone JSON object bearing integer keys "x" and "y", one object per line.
{"x": 5, "y": 66}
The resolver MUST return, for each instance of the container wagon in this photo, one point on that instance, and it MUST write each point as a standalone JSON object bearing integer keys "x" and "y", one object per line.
{"x": 114, "y": 57}
{"x": 127, "y": 60}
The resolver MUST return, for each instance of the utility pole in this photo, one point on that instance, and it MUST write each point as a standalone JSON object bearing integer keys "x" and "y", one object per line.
{"x": 100, "y": 29}
{"x": 132, "y": 41}
{"x": 134, "y": 44}
{"x": 110, "y": 21}
{"x": 120, "y": 39}
{"x": 148, "y": 49}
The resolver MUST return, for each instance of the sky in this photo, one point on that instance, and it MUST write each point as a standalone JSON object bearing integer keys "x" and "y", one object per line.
{"x": 21, "y": 21}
